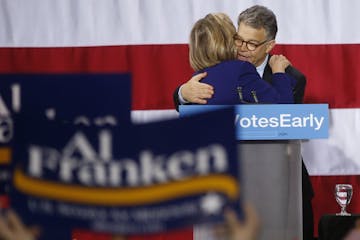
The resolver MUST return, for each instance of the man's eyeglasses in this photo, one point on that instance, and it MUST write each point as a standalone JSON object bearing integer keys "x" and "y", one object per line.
{"x": 249, "y": 45}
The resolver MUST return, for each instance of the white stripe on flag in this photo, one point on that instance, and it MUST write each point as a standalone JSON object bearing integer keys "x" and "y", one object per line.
{"x": 39, "y": 23}
{"x": 146, "y": 116}
{"x": 339, "y": 154}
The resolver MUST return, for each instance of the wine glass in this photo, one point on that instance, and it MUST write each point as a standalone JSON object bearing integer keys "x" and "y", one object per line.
{"x": 343, "y": 194}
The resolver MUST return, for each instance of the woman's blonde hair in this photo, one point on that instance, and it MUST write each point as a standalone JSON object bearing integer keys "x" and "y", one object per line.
{"x": 211, "y": 41}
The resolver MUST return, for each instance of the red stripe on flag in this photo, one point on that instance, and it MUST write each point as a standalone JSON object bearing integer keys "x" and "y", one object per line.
{"x": 156, "y": 69}
{"x": 181, "y": 234}
{"x": 331, "y": 70}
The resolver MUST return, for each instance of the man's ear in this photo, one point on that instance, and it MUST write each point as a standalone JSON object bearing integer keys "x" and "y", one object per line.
{"x": 271, "y": 44}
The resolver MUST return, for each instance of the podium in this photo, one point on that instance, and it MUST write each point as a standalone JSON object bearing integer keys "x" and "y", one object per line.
{"x": 271, "y": 173}
{"x": 269, "y": 150}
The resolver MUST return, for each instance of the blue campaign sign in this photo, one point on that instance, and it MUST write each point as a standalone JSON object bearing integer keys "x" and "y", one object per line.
{"x": 274, "y": 121}
{"x": 139, "y": 179}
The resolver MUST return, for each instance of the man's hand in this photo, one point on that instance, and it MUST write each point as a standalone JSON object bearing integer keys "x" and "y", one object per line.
{"x": 278, "y": 63}
{"x": 196, "y": 92}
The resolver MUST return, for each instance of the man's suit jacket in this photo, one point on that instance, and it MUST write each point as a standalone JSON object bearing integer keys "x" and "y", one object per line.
{"x": 298, "y": 90}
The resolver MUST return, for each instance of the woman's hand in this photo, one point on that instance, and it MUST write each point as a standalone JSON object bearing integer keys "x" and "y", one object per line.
{"x": 278, "y": 63}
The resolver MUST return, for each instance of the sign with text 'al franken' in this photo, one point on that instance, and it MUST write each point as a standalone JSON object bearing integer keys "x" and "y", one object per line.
{"x": 273, "y": 121}
{"x": 140, "y": 179}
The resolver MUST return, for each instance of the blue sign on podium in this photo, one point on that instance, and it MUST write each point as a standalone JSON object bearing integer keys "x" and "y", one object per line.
{"x": 274, "y": 121}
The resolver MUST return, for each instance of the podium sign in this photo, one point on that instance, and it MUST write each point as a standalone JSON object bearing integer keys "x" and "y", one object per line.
{"x": 274, "y": 121}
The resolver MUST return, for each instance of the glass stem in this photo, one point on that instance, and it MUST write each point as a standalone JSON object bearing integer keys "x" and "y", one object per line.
{"x": 343, "y": 209}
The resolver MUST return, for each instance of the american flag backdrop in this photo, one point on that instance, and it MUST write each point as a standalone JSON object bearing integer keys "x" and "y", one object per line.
{"x": 149, "y": 39}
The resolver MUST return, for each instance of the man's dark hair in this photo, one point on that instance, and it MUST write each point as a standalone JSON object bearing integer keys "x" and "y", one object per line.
{"x": 260, "y": 17}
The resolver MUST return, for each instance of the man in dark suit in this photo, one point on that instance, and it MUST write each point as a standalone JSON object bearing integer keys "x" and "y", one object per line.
{"x": 257, "y": 28}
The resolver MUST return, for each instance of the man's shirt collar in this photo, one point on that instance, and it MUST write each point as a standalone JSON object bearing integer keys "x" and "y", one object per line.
{"x": 261, "y": 68}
